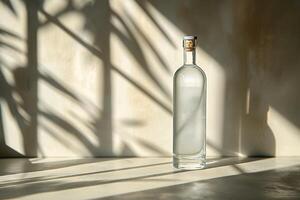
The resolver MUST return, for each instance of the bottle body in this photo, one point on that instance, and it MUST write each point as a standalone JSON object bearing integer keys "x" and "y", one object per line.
{"x": 189, "y": 119}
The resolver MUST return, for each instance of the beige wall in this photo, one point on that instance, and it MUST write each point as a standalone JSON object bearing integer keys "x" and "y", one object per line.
{"x": 94, "y": 78}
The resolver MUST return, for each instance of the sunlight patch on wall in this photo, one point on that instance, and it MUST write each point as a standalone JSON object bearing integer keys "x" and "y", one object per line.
{"x": 287, "y": 135}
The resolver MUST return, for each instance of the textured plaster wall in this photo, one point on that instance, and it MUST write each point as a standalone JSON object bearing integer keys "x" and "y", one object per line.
{"x": 94, "y": 78}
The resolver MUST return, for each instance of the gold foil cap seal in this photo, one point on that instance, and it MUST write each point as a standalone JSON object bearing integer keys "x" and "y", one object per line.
{"x": 189, "y": 42}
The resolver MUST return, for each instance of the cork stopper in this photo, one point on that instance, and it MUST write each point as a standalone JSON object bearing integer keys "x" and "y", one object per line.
{"x": 189, "y": 42}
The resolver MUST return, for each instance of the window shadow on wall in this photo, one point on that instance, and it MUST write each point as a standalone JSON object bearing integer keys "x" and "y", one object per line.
{"x": 97, "y": 17}
{"x": 254, "y": 42}
{"x": 24, "y": 111}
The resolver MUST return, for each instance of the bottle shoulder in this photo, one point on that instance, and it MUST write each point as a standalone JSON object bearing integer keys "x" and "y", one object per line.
{"x": 190, "y": 70}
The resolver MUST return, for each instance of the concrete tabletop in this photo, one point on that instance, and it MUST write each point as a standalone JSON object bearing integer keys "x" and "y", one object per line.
{"x": 149, "y": 178}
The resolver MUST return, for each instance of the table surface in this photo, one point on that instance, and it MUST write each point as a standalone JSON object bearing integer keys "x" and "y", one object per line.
{"x": 149, "y": 178}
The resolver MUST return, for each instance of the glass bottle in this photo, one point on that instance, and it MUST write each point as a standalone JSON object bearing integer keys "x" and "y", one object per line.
{"x": 189, "y": 107}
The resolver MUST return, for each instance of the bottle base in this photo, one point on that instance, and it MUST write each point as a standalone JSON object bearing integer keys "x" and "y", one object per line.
{"x": 189, "y": 163}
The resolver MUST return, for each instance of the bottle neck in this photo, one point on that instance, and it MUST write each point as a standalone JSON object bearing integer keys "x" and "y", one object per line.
{"x": 189, "y": 57}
